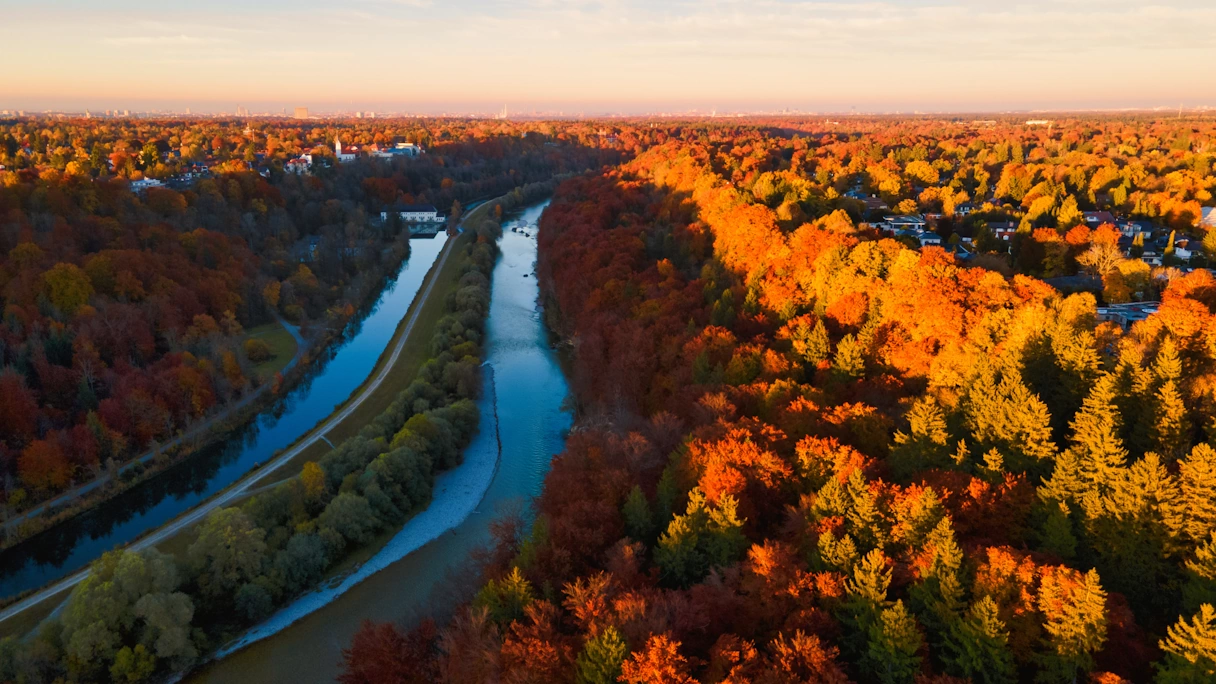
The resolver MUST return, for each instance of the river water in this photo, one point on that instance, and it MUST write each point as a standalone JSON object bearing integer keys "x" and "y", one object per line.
{"x": 522, "y": 407}
{"x": 74, "y": 544}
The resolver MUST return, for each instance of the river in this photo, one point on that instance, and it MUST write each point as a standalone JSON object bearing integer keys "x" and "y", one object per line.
{"x": 340, "y": 370}
{"x": 522, "y": 407}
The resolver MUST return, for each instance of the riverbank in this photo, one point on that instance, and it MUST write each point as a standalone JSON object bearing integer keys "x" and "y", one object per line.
{"x": 215, "y": 428}
{"x": 167, "y": 535}
{"x": 303, "y": 641}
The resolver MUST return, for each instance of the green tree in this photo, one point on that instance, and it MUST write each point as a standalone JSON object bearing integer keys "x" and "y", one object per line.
{"x": 925, "y": 445}
{"x": 812, "y": 344}
{"x": 133, "y": 665}
{"x": 505, "y": 599}
{"x": 639, "y": 524}
{"x": 938, "y": 597}
{"x": 229, "y": 551}
{"x": 600, "y": 660}
{"x": 1190, "y": 650}
{"x": 850, "y": 361}
{"x": 351, "y": 516}
{"x": 894, "y": 640}
{"x": 706, "y": 536}
{"x": 977, "y": 646}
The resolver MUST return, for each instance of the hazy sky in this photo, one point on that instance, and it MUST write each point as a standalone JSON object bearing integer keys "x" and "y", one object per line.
{"x": 608, "y": 55}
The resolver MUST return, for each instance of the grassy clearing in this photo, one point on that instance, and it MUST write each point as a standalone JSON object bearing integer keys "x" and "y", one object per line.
{"x": 282, "y": 346}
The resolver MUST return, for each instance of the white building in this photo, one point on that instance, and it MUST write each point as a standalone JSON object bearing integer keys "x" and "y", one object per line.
{"x": 138, "y": 186}
{"x": 398, "y": 150}
{"x": 300, "y": 165}
{"x": 413, "y": 213}
{"x": 344, "y": 156}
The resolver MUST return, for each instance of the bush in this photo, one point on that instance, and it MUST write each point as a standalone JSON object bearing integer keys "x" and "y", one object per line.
{"x": 257, "y": 351}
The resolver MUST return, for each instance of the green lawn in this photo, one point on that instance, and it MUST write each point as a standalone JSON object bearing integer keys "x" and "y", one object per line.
{"x": 282, "y": 346}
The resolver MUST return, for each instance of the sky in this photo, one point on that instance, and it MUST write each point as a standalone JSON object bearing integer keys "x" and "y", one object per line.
{"x": 607, "y": 56}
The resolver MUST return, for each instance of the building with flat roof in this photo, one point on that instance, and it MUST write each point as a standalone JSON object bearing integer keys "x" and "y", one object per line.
{"x": 301, "y": 113}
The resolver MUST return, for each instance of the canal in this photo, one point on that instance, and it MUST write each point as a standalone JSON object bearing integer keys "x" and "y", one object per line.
{"x": 521, "y": 409}
{"x": 340, "y": 370}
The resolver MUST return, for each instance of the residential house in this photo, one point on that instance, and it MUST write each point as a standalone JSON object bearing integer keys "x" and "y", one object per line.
{"x": 139, "y": 186}
{"x": 1127, "y": 314}
{"x": 1207, "y": 220}
{"x": 1093, "y": 219}
{"x": 1003, "y": 230}
{"x": 927, "y": 239}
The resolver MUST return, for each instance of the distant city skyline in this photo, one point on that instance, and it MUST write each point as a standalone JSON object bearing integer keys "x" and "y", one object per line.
{"x": 608, "y": 56}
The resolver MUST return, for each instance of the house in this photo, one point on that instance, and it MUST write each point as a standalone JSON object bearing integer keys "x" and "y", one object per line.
{"x": 1093, "y": 219}
{"x": 1151, "y": 258}
{"x": 138, "y": 186}
{"x": 894, "y": 224}
{"x": 964, "y": 209}
{"x": 959, "y": 251}
{"x": 1127, "y": 314}
{"x": 1207, "y": 219}
{"x": 874, "y": 204}
{"x": 412, "y": 213}
{"x": 927, "y": 239}
{"x": 1132, "y": 228}
{"x": 1003, "y": 230}
{"x": 299, "y": 165}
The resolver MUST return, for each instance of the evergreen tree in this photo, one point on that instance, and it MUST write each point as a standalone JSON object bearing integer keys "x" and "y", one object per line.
{"x": 1010, "y": 418}
{"x": 507, "y": 598}
{"x": 1200, "y": 587}
{"x": 639, "y": 524}
{"x": 706, "y": 536}
{"x": 1167, "y": 366}
{"x": 850, "y": 361}
{"x": 811, "y": 343}
{"x": 600, "y": 660}
{"x": 1074, "y": 616}
{"x": 938, "y": 597}
{"x": 1190, "y": 650}
{"x": 977, "y": 646}
{"x": 894, "y": 640}
{"x": 925, "y": 445}
{"x": 1130, "y": 539}
{"x": 1095, "y": 442}
{"x": 1195, "y": 518}
{"x": 863, "y": 516}
{"x": 1171, "y": 429}
{"x": 1057, "y": 537}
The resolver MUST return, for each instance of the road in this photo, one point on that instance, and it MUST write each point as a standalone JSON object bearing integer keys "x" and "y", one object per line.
{"x": 241, "y": 488}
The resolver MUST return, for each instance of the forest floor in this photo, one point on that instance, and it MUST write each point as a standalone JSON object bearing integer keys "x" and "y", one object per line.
{"x": 401, "y": 359}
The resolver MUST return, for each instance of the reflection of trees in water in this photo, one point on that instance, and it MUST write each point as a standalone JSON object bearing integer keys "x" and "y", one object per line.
{"x": 192, "y": 478}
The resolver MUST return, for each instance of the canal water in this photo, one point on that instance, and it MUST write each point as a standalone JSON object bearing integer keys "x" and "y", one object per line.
{"x": 521, "y": 409}
{"x": 74, "y": 544}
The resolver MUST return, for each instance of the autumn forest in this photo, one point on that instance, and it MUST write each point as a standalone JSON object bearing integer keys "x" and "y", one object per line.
{"x": 879, "y": 400}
